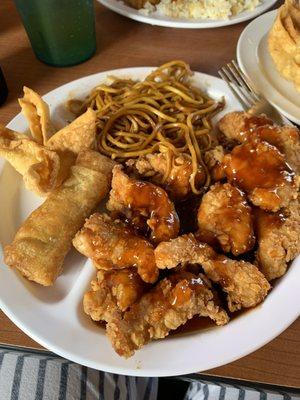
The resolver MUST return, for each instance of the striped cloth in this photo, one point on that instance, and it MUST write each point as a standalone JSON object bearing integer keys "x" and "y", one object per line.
{"x": 31, "y": 376}
{"x": 28, "y": 376}
{"x": 208, "y": 391}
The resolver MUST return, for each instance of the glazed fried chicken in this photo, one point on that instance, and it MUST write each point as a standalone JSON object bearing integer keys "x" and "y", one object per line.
{"x": 224, "y": 215}
{"x": 177, "y": 181}
{"x": 235, "y": 127}
{"x": 132, "y": 197}
{"x": 172, "y": 302}
{"x": 244, "y": 284}
{"x": 260, "y": 170}
{"x": 112, "y": 293}
{"x": 278, "y": 239}
{"x": 239, "y": 127}
{"x": 213, "y": 159}
{"x": 113, "y": 246}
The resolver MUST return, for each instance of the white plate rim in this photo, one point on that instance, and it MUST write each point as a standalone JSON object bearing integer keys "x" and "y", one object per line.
{"x": 290, "y": 314}
{"x": 261, "y": 26}
{"x": 131, "y": 13}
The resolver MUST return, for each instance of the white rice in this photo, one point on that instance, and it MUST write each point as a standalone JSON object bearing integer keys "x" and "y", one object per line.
{"x": 200, "y": 9}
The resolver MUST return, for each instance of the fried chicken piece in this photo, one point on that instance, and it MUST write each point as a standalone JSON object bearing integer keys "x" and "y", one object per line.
{"x": 239, "y": 127}
{"x": 244, "y": 284}
{"x": 225, "y": 215}
{"x": 112, "y": 293}
{"x": 278, "y": 239}
{"x": 234, "y": 127}
{"x": 177, "y": 183}
{"x": 111, "y": 245}
{"x": 260, "y": 170}
{"x": 130, "y": 196}
{"x": 170, "y": 304}
{"x": 213, "y": 160}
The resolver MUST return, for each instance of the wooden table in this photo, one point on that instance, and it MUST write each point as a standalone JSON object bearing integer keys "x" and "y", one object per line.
{"x": 125, "y": 43}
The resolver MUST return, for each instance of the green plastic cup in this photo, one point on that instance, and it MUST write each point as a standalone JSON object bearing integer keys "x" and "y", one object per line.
{"x": 61, "y": 32}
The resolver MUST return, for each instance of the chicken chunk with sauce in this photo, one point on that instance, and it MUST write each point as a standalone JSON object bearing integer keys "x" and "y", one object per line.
{"x": 278, "y": 239}
{"x": 111, "y": 245}
{"x": 244, "y": 284}
{"x": 170, "y": 304}
{"x": 260, "y": 170}
{"x": 177, "y": 182}
{"x": 239, "y": 127}
{"x": 132, "y": 197}
{"x": 112, "y": 293}
{"x": 224, "y": 215}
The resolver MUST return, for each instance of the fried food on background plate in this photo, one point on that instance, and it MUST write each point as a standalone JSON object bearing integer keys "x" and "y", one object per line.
{"x": 244, "y": 284}
{"x": 238, "y": 127}
{"x": 140, "y": 3}
{"x": 45, "y": 237}
{"x": 260, "y": 170}
{"x": 112, "y": 292}
{"x": 170, "y": 304}
{"x": 174, "y": 178}
{"x": 130, "y": 197}
{"x": 111, "y": 245}
{"x": 284, "y": 41}
{"x": 225, "y": 215}
{"x": 39, "y": 166}
{"x": 37, "y": 113}
{"x": 278, "y": 237}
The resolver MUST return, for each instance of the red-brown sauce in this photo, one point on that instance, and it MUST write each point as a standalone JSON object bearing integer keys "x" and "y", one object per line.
{"x": 257, "y": 165}
{"x": 197, "y": 323}
{"x": 153, "y": 200}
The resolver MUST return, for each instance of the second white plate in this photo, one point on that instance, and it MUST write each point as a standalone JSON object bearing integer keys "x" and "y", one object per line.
{"x": 255, "y": 61}
{"x": 162, "y": 20}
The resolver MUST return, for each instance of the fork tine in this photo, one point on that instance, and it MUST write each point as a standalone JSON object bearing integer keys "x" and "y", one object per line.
{"x": 246, "y": 81}
{"x": 240, "y": 86}
{"x": 235, "y": 92}
{"x": 243, "y": 93}
{"x": 238, "y": 78}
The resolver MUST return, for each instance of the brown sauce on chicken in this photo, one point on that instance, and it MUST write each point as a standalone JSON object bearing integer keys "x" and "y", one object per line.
{"x": 163, "y": 221}
{"x": 252, "y": 165}
{"x": 197, "y": 323}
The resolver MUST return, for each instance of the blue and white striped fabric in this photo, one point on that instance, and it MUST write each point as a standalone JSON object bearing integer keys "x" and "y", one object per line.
{"x": 27, "y": 376}
{"x": 208, "y": 391}
{"x": 30, "y": 376}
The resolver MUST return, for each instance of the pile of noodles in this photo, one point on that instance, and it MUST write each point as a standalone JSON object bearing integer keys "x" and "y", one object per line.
{"x": 163, "y": 113}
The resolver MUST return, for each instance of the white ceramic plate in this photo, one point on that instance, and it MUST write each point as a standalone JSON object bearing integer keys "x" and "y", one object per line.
{"x": 155, "y": 19}
{"x": 54, "y": 316}
{"x": 255, "y": 61}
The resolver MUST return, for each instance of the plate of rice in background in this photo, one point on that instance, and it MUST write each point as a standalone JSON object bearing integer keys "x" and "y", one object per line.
{"x": 189, "y": 13}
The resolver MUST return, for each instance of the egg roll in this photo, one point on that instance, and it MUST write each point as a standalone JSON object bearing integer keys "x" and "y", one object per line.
{"x": 37, "y": 113}
{"x": 43, "y": 240}
{"x": 41, "y": 168}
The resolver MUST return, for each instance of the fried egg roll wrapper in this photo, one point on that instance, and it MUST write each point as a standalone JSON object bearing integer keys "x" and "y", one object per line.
{"x": 41, "y": 168}
{"x": 37, "y": 113}
{"x": 44, "y": 239}
{"x": 78, "y": 136}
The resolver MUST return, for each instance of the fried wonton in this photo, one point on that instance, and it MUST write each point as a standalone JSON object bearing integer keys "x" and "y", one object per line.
{"x": 78, "y": 136}
{"x": 284, "y": 42}
{"x": 37, "y": 113}
{"x": 39, "y": 166}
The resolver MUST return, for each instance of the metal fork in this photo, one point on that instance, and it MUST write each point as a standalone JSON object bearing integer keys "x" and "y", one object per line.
{"x": 252, "y": 102}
